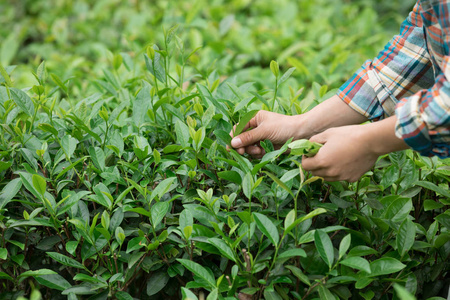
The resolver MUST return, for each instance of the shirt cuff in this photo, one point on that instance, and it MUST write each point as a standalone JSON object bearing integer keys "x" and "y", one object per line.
{"x": 412, "y": 128}
{"x": 366, "y": 93}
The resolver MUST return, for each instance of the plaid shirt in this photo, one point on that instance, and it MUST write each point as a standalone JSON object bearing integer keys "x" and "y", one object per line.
{"x": 410, "y": 77}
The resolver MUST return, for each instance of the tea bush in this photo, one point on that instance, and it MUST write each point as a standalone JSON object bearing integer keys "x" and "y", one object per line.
{"x": 115, "y": 177}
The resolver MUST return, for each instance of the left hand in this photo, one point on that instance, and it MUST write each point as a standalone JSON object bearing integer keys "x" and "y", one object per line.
{"x": 346, "y": 154}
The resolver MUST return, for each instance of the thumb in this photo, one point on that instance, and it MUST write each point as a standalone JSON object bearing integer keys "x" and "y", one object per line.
{"x": 248, "y": 138}
{"x": 320, "y": 138}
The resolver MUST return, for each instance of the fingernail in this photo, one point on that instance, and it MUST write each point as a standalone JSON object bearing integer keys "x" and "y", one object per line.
{"x": 236, "y": 142}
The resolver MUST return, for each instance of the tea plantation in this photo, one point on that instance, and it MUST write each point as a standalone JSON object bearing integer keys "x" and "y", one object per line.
{"x": 115, "y": 177}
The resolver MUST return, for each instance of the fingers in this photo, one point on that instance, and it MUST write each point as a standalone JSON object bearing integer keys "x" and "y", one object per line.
{"x": 320, "y": 138}
{"x": 248, "y": 138}
{"x": 311, "y": 163}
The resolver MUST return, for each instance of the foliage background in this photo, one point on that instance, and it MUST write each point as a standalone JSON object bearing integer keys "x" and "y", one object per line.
{"x": 104, "y": 193}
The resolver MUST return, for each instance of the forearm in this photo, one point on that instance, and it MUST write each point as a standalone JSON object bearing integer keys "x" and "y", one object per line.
{"x": 380, "y": 137}
{"x": 333, "y": 112}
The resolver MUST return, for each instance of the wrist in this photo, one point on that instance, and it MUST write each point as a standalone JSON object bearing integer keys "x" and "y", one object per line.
{"x": 380, "y": 137}
{"x": 301, "y": 126}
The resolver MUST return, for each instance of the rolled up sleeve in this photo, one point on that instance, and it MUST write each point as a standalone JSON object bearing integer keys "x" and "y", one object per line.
{"x": 400, "y": 70}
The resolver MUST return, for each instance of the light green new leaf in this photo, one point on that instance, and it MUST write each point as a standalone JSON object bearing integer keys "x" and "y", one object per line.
{"x": 39, "y": 184}
{"x": 243, "y": 121}
{"x": 304, "y": 147}
{"x": 266, "y": 226}
{"x": 344, "y": 245}
{"x": 274, "y": 68}
{"x": 286, "y": 75}
{"x": 324, "y": 247}
{"x": 289, "y": 220}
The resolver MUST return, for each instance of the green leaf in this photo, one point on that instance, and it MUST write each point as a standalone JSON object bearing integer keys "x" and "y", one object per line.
{"x": 232, "y": 176}
{"x": 37, "y": 273}
{"x": 385, "y": 266}
{"x": 403, "y": 293}
{"x": 223, "y": 136}
{"x": 325, "y": 293}
{"x": 213, "y": 295}
{"x": 123, "y": 296}
{"x": 357, "y": 262}
{"x": 324, "y": 247}
{"x": 267, "y": 227}
{"x": 58, "y": 82}
{"x": 5, "y": 165}
{"x": 65, "y": 260}
{"x": 247, "y": 185}
{"x": 136, "y": 243}
{"x": 10, "y": 191}
{"x": 399, "y": 209}
{"x": 71, "y": 247}
{"x": 286, "y": 75}
{"x": 289, "y": 220}
{"x": 431, "y": 186}
{"x": 141, "y": 105}
{"x": 405, "y": 237}
{"x": 187, "y": 294}
{"x": 344, "y": 245}
{"x": 224, "y": 249}
{"x": 3, "y": 275}
{"x": 162, "y": 188}
{"x": 159, "y": 211}
{"x": 98, "y": 157}
{"x": 5, "y": 75}
{"x": 157, "y": 282}
{"x": 3, "y": 253}
{"x": 431, "y": 205}
{"x": 23, "y": 101}
{"x": 198, "y": 270}
{"x": 39, "y": 184}
{"x": 48, "y": 128}
{"x": 54, "y": 281}
{"x": 292, "y": 253}
{"x": 182, "y": 132}
{"x": 312, "y": 214}
{"x": 243, "y": 121}
{"x": 280, "y": 183}
{"x": 299, "y": 274}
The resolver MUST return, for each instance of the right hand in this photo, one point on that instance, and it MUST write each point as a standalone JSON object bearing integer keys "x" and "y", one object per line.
{"x": 275, "y": 127}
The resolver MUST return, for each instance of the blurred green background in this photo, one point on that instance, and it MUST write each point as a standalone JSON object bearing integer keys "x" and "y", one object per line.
{"x": 327, "y": 40}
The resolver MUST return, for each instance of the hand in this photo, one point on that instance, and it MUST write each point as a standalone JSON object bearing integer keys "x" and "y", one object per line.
{"x": 346, "y": 154}
{"x": 350, "y": 151}
{"x": 275, "y": 127}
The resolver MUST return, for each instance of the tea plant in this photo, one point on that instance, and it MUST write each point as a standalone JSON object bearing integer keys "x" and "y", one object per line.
{"x": 126, "y": 189}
